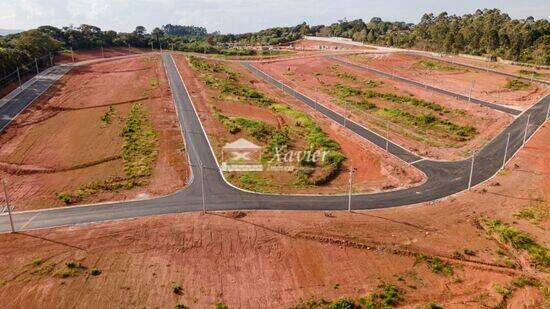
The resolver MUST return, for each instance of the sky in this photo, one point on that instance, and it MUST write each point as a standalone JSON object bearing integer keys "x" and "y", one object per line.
{"x": 238, "y": 16}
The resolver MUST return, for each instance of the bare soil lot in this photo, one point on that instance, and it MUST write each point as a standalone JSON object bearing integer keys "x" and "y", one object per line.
{"x": 83, "y": 55}
{"x": 223, "y": 111}
{"x": 434, "y": 253}
{"x": 385, "y": 105}
{"x": 324, "y": 45}
{"x": 71, "y": 139}
{"x": 526, "y": 71}
{"x": 487, "y": 86}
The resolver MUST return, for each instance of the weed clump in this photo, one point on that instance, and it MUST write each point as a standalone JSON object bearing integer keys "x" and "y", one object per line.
{"x": 519, "y": 240}
{"x": 517, "y": 84}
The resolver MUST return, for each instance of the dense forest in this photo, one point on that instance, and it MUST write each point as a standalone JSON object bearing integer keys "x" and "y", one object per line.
{"x": 484, "y": 32}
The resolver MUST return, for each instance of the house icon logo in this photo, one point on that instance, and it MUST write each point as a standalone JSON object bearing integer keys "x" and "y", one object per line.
{"x": 241, "y": 156}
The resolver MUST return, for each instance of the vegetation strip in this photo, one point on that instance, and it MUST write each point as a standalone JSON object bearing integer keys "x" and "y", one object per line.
{"x": 139, "y": 151}
{"x": 317, "y": 139}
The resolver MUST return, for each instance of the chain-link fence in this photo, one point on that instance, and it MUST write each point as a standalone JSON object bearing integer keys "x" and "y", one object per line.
{"x": 24, "y": 72}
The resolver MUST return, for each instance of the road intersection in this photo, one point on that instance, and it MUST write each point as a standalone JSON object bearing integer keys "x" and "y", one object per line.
{"x": 443, "y": 178}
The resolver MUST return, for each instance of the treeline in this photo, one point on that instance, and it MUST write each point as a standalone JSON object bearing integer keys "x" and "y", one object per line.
{"x": 486, "y": 32}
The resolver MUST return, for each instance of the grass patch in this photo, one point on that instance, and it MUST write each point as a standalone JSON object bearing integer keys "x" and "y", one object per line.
{"x": 177, "y": 289}
{"x": 540, "y": 254}
{"x": 139, "y": 151}
{"x": 95, "y": 272}
{"x": 388, "y": 296}
{"x": 523, "y": 281}
{"x": 429, "y": 64}
{"x": 360, "y": 99}
{"x": 535, "y": 212}
{"x": 71, "y": 269}
{"x": 530, "y": 73}
{"x": 258, "y": 129}
{"x": 107, "y": 117}
{"x": 37, "y": 262}
{"x": 252, "y": 181}
{"x": 436, "y": 265}
{"x": 517, "y": 84}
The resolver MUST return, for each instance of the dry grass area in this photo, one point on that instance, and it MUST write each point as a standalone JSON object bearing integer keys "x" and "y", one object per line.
{"x": 71, "y": 139}
{"x": 434, "y": 253}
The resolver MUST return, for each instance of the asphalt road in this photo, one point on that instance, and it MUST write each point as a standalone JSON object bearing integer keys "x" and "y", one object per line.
{"x": 40, "y": 84}
{"x": 444, "y": 178}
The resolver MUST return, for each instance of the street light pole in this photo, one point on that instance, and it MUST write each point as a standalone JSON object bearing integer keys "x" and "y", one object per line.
{"x": 18, "y": 77}
{"x": 202, "y": 188}
{"x": 471, "y": 90}
{"x": 350, "y": 187}
{"x": 506, "y": 151}
{"x": 8, "y": 205}
{"x": 36, "y": 65}
{"x": 471, "y": 170}
{"x": 387, "y": 135}
{"x": 526, "y": 128}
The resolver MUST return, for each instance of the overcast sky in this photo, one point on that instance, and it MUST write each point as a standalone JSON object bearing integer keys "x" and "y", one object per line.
{"x": 237, "y": 16}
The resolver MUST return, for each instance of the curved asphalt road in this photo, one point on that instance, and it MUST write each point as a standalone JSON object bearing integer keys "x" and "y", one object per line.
{"x": 444, "y": 178}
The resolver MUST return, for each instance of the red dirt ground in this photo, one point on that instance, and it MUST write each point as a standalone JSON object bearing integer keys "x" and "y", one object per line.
{"x": 503, "y": 67}
{"x": 82, "y": 55}
{"x": 278, "y": 259}
{"x": 376, "y": 170}
{"x": 488, "y": 86}
{"x": 60, "y": 143}
{"x": 324, "y": 45}
{"x": 313, "y": 76}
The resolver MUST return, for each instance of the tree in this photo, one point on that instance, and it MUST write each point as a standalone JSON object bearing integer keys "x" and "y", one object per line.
{"x": 140, "y": 31}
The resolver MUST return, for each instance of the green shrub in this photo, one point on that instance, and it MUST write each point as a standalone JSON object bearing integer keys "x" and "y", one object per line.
{"x": 517, "y": 84}
{"x": 519, "y": 240}
{"x": 95, "y": 272}
{"x": 177, "y": 289}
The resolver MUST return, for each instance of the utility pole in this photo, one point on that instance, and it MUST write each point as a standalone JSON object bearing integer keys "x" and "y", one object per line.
{"x": 387, "y": 135}
{"x": 72, "y": 54}
{"x": 36, "y": 65}
{"x": 202, "y": 188}
{"x": 471, "y": 170}
{"x": 350, "y": 187}
{"x": 506, "y": 151}
{"x": 345, "y": 114}
{"x": 8, "y": 205}
{"x": 526, "y": 128}
{"x": 471, "y": 89}
{"x": 18, "y": 77}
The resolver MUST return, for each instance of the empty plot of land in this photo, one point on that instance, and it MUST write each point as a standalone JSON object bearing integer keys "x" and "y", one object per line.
{"x": 525, "y": 71}
{"x": 480, "y": 84}
{"x": 324, "y": 45}
{"x": 234, "y": 104}
{"x": 89, "y": 54}
{"x": 428, "y": 123}
{"x": 106, "y": 131}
